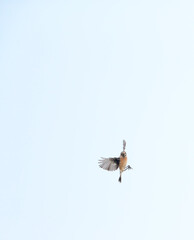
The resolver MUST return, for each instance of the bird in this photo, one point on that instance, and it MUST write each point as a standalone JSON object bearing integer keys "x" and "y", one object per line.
{"x": 113, "y": 163}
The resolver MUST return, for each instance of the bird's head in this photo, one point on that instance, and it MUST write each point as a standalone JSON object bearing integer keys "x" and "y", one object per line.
{"x": 123, "y": 154}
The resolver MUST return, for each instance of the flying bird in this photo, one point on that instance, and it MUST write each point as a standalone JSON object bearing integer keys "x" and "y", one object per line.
{"x": 112, "y": 164}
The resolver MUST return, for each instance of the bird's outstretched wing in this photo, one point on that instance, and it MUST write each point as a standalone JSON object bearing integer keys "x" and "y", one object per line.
{"x": 110, "y": 164}
{"x": 124, "y": 145}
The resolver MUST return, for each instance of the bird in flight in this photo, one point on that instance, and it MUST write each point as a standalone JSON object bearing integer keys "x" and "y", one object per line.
{"x": 112, "y": 164}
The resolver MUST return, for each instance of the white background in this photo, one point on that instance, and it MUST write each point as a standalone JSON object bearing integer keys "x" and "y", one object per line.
{"x": 76, "y": 78}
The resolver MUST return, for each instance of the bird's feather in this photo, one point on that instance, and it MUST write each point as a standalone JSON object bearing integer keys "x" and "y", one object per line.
{"x": 124, "y": 145}
{"x": 110, "y": 164}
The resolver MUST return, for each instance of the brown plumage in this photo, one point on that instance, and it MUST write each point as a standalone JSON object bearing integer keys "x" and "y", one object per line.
{"x": 112, "y": 164}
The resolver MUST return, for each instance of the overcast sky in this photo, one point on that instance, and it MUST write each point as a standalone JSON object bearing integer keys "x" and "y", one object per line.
{"x": 76, "y": 78}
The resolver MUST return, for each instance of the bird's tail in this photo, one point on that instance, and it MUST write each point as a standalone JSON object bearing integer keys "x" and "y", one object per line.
{"x": 120, "y": 178}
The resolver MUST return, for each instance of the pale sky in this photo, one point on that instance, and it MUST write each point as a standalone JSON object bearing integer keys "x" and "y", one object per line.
{"x": 76, "y": 78}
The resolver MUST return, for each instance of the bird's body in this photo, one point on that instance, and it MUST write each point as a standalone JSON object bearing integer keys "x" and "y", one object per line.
{"x": 123, "y": 163}
{"x": 112, "y": 164}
